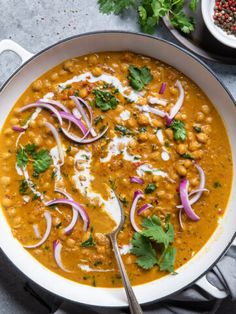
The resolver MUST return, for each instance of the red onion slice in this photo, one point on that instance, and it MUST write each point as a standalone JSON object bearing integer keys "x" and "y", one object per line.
{"x": 57, "y": 139}
{"x": 201, "y": 188}
{"x": 180, "y": 219}
{"x": 137, "y": 195}
{"x": 83, "y": 113}
{"x": 82, "y": 140}
{"x": 18, "y": 128}
{"x": 137, "y": 180}
{"x": 183, "y": 189}
{"x": 76, "y": 206}
{"x": 75, "y": 213}
{"x": 57, "y": 247}
{"x": 76, "y": 113}
{"x": 162, "y": 89}
{"x": 77, "y": 122}
{"x": 53, "y": 102}
{"x": 143, "y": 208}
{"x": 49, "y": 107}
{"x": 179, "y": 103}
{"x": 48, "y": 218}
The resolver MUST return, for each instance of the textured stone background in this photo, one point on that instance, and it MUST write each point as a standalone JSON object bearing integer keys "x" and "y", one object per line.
{"x": 35, "y": 25}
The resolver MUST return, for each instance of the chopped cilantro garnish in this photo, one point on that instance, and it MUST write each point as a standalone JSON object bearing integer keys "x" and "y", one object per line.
{"x": 180, "y": 132}
{"x": 124, "y": 201}
{"x": 89, "y": 242}
{"x": 23, "y": 187}
{"x": 98, "y": 262}
{"x": 217, "y": 184}
{"x": 42, "y": 161}
{"x": 139, "y": 77}
{"x": 98, "y": 119}
{"x": 197, "y": 128}
{"x": 142, "y": 129}
{"x": 151, "y": 187}
{"x": 105, "y": 100}
{"x": 187, "y": 156}
{"x": 123, "y": 130}
{"x": 21, "y": 158}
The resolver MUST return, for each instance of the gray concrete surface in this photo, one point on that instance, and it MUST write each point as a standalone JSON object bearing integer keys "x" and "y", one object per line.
{"x": 36, "y": 24}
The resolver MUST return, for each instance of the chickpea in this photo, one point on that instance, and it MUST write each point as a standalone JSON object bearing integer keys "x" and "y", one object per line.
{"x": 54, "y": 76}
{"x": 6, "y": 155}
{"x": 118, "y": 120}
{"x": 83, "y": 92}
{"x": 129, "y": 260}
{"x": 70, "y": 242}
{"x": 156, "y": 178}
{"x": 152, "y": 137}
{"x": 96, "y": 71}
{"x": 62, "y": 72}
{"x": 191, "y": 136}
{"x": 169, "y": 134}
{"x": 146, "y": 213}
{"x": 132, "y": 144}
{"x": 17, "y": 222}
{"x": 200, "y": 116}
{"x": 56, "y": 221}
{"x": 124, "y": 67}
{"x": 8, "y": 132}
{"x": 49, "y": 142}
{"x": 100, "y": 238}
{"x": 8, "y": 143}
{"x": 183, "y": 117}
{"x": 206, "y": 109}
{"x": 187, "y": 163}
{"x": 142, "y": 101}
{"x": 194, "y": 181}
{"x": 181, "y": 149}
{"x": 202, "y": 137}
{"x": 161, "y": 193}
{"x": 169, "y": 196}
{"x": 37, "y": 86}
{"x": 11, "y": 212}
{"x": 173, "y": 90}
{"x": 143, "y": 137}
{"x": 70, "y": 161}
{"x": 198, "y": 154}
{"x": 194, "y": 146}
{"x": 155, "y": 156}
{"x": 157, "y": 123}
{"x": 206, "y": 129}
{"x": 143, "y": 119}
{"x": 181, "y": 170}
{"x": 68, "y": 65}
{"x": 93, "y": 59}
{"x": 38, "y": 140}
{"x": 101, "y": 249}
{"x": 209, "y": 119}
{"x": 46, "y": 185}
{"x": 131, "y": 123}
{"x": 61, "y": 234}
{"x": 5, "y": 180}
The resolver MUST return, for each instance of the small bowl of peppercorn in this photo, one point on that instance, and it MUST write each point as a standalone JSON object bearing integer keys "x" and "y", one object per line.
{"x": 220, "y": 18}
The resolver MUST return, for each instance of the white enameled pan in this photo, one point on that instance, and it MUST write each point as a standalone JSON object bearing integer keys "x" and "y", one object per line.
{"x": 193, "y": 271}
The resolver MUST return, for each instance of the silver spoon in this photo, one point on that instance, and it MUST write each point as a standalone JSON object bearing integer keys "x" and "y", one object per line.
{"x": 133, "y": 303}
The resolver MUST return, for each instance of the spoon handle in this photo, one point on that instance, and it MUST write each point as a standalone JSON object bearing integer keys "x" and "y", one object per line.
{"x": 133, "y": 303}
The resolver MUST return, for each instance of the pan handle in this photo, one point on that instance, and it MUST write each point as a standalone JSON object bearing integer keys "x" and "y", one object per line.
{"x": 10, "y": 45}
{"x": 204, "y": 284}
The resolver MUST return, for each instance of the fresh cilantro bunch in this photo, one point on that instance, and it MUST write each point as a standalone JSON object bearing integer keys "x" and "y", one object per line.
{"x": 155, "y": 236}
{"x": 151, "y": 11}
{"x": 41, "y": 159}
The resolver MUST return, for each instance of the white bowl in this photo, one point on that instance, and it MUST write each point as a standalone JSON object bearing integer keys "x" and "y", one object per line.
{"x": 217, "y": 32}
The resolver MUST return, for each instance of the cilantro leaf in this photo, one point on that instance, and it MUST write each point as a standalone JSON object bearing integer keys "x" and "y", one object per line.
{"x": 114, "y": 6}
{"x": 123, "y": 130}
{"x": 193, "y": 5}
{"x": 180, "y": 132}
{"x": 105, "y": 100}
{"x": 23, "y": 187}
{"x": 182, "y": 22}
{"x": 143, "y": 249}
{"x": 30, "y": 149}
{"x": 89, "y": 242}
{"x": 151, "y": 187}
{"x": 154, "y": 231}
{"x": 166, "y": 263}
{"x": 21, "y": 158}
{"x": 42, "y": 161}
{"x": 187, "y": 156}
{"x": 139, "y": 77}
